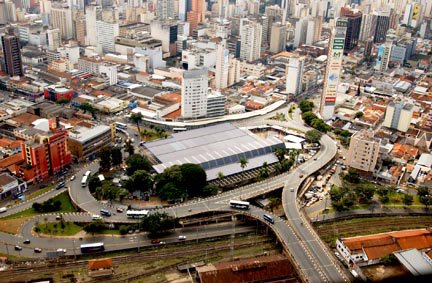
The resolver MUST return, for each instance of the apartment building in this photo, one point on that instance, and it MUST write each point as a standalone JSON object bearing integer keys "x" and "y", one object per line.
{"x": 363, "y": 151}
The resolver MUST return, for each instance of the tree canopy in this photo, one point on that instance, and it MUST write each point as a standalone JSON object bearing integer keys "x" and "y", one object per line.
{"x": 306, "y": 106}
{"x": 140, "y": 181}
{"x": 137, "y": 162}
{"x": 313, "y": 136}
{"x": 157, "y": 223}
{"x": 180, "y": 181}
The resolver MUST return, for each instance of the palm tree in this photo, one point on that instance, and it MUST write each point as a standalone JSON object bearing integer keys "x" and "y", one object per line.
{"x": 136, "y": 118}
{"x": 220, "y": 176}
{"x": 264, "y": 172}
{"x": 243, "y": 163}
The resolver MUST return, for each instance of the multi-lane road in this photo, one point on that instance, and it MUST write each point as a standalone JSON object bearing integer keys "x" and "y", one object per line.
{"x": 312, "y": 258}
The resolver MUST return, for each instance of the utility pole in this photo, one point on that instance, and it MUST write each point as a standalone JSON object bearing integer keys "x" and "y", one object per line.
{"x": 73, "y": 244}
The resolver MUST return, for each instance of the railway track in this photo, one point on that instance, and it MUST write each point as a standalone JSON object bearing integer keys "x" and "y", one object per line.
{"x": 20, "y": 273}
{"x": 375, "y": 224}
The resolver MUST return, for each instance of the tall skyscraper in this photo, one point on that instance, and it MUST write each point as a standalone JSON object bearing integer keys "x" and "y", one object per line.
{"x": 105, "y": 34}
{"x": 333, "y": 69}
{"x": 92, "y": 14}
{"x": 368, "y": 26}
{"x": 61, "y": 18}
{"x": 194, "y": 91}
{"x": 53, "y": 38}
{"x": 197, "y": 14}
{"x": 384, "y": 52}
{"x": 354, "y": 19}
{"x": 251, "y": 36}
{"x": 382, "y": 26}
{"x": 12, "y": 54}
{"x": 294, "y": 75}
{"x": 165, "y": 9}
{"x": 222, "y": 65}
{"x": 278, "y": 38}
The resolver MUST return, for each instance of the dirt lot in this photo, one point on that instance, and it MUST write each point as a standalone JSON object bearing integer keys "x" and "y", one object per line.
{"x": 377, "y": 273}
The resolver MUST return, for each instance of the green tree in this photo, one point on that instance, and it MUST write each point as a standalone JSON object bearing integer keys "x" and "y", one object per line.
{"x": 422, "y": 191}
{"x": 194, "y": 179}
{"x": 407, "y": 199}
{"x": 426, "y": 200}
{"x": 320, "y": 125}
{"x": 94, "y": 183}
{"x": 105, "y": 159}
{"x": 264, "y": 170}
{"x": 96, "y": 226}
{"x": 137, "y": 162}
{"x": 140, "y": 181}
{"x": 352, "y": 176}
{"x": 169, "y": 191}
{"x": 348, "y": 200}
{"x": 308, "y": 117}
{"x": 284, "y": 165}
{"x": 364, "y": 193}
{"x": 313, "y": 136}
{"x": 122, "y": 194}
{"x": 280, "y": 153}
{"x": 116, "y": 156}
{"x": 123, "y": 230}
{"x": 156, "y": 223}
{"x": 136, "y": 118}
{"x": 274, "y": 202}
{"x": 209, "y": 190}
{"x": 336, "y": 193}
{"x": 359, "y": 114}
{"x": 306, "y": 106}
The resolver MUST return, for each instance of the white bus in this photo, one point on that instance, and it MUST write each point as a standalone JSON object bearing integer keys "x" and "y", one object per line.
{"x": 84, "y": 181}
{"x": 121, "y": 125}
{"x": 91, "y": 248}
{"x": 137, "y": 213}
{"x": 87, "y": 173}
{"x": 239, "y": 204}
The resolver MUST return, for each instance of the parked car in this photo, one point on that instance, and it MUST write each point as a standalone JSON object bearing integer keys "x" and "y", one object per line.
{"x": 119, "y": 209}
{"x": 60, "y": 185}
{"x": 72, "y": 178}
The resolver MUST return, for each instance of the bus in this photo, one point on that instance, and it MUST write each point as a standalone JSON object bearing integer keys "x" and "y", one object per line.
{"x": 178, "y": 130}
{"x": 239, "y": 204}
{"x": 137, "y": 213}
{"x": 105, "y": 212}
{"x": 87, "y": 173}
{"x": 268, "y": 218}
{"x": 91, "y": 248}
{"x": 120, "y": 125}
{"x": 84, "y": 181}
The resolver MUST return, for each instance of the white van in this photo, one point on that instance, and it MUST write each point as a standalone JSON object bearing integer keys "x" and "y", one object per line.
{"x": 96, "y": 217}
{"x": 3, "y": 209}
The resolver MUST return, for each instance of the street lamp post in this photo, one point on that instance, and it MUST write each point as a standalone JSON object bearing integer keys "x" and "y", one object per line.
{"x": 73, "y": 244}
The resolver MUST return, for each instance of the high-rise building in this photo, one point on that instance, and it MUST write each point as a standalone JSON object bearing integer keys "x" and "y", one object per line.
{"x": 165, "y": 9}
{"x": 382, "y": 26}
{"x": 368, "y": 26}
{"x": 251, "y": 36}
{"x": 333, "y": 69}
{"x": 80, "y": 27}
{"x": 363, "y": 152}
{"x": 398, "y": 116}
{"x": 413, "y": 15}
{"x": 222, "y": 64}
{"x": 61, "y": 18}
{"x": 47, "y": 153}
{"x": 12, "y": 54}
{"x": 92, "y": 14}
{"x": 354, "y": 19}
{"x": 182, "y": 10}
{"x": 307, "y": 31}
{"x": 196, "y": 14}
{"x": 278, "y": 37}
{"x": 294, "y": 75}
{"x": 106, "y": 34}
{"x": 194, "y": 92}
{"x": 53, "y": 38}
{"x": 383, "y": 56}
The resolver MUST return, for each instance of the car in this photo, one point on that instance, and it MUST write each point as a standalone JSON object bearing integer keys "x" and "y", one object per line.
{"x": 58, "y": 217}
{"x": 343, "y": 167}
{"x": 315, "y": 158}
{"x": 96, "y": 217}
{"x": 37, "y": 250}
{"x": 301, "y": 176}
{"x": 60, "y": 185}
{"x": 60, "y": 250}
{"x": 136, "y": 134}
{"x": 18, "y": 248}
{"x": 155, "y": 241}
{"x": 26, "y": 241}
{"x": 292, "y": 189}
{"x": 72, "y": 178}
{"x": 162, "y": 243}
{"x": 182, "y": 237}
{"x": 119, "y": 209}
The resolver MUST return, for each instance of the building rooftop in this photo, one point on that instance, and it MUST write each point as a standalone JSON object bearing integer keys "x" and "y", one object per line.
{"x": 262, "y": 269}
{"x": 6, "y": 179}
{"x": 84, "y": 134}
{"x": 215, "y": 147}
{"x": 379, "y": 245}
{"x": 415, "y": 262}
